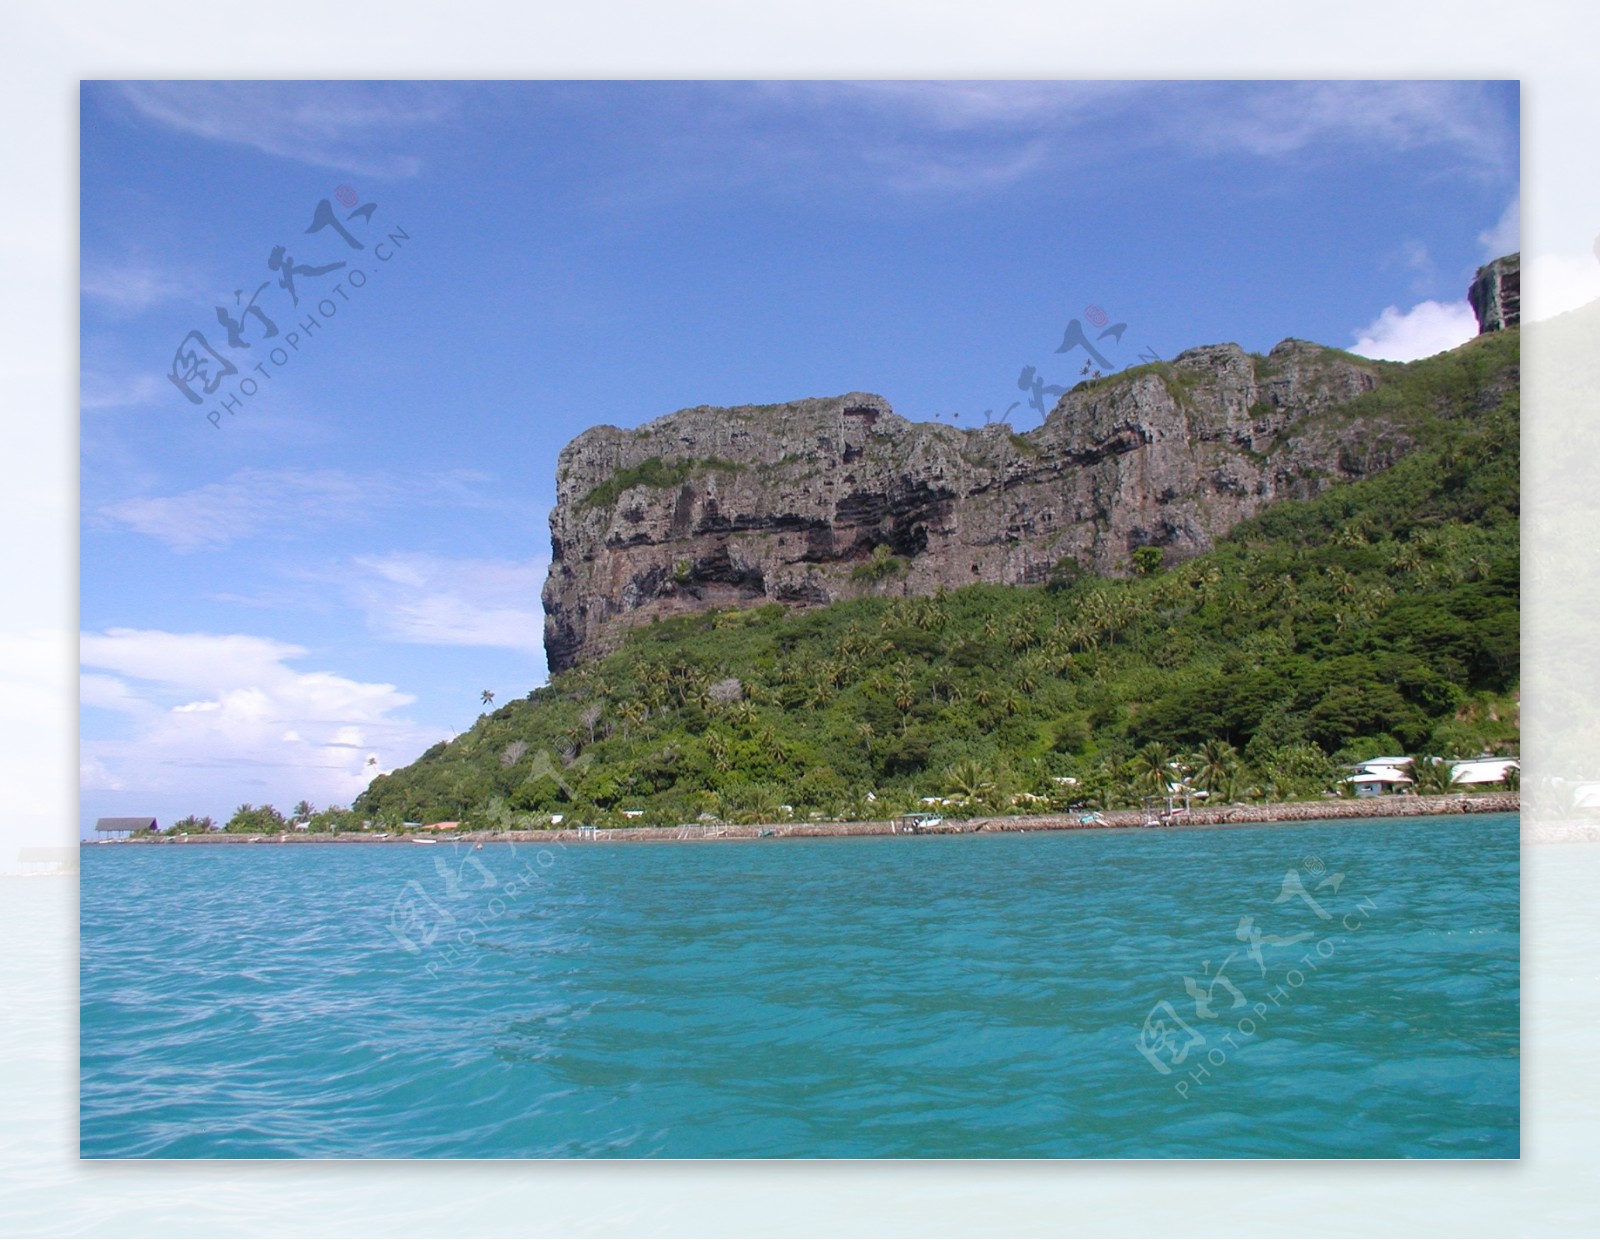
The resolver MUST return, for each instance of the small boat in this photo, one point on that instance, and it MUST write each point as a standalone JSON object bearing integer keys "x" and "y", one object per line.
{"x": 424, "y": 841}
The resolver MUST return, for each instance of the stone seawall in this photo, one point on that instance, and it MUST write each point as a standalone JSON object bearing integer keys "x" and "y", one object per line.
{"x": 1224, "y": 815}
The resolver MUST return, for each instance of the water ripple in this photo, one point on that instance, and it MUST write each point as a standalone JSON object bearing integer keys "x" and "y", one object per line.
{"x": 976, "y": 997}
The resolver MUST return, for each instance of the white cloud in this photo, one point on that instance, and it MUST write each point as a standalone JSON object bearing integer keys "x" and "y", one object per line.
{"x": 100, "y": 391}
{"x": 920, "y": 136}
{"x": 1506, "y": 236}
{"x": 135, "y": 285}
{"x": 435, "y": 601}
{"x": 221, "y": 718}
{"x": 1427, "y": 328}
{"x": 284, "y": 501}
{"x": 351, "y": 127}
{"x": 249, "y": 502}
{"x": 962, "y": 105}
{"x": 111, "y": 693}
{"x": 1274, "y": 119}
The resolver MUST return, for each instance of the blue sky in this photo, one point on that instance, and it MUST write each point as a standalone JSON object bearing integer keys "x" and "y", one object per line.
{"x": 334, "y": 573}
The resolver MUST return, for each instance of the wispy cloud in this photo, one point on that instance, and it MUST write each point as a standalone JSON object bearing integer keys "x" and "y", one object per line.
{"x": 134, "y": 285}
{"x": 248, "y": 503}
{"x": 202, "y": 707}
{"x": 1413, "y": 258}
{"x": 1274, "y": 119}
{"x": 435, "y": 601}
{"x": 954, "y": 137}
{"x": 1506, "y": 235}
{"x": 353, "y": 127}
{"x": 1405, "y": 335}
{"x": 101, "y": 391}
{"x": 284, "y": 502}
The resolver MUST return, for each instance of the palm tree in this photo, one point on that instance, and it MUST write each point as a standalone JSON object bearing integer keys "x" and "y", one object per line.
{"x": 1433, "y": 776}
{"x": 969, "y": 779}
{"x": 1216, "y": 764}
{"x": 303, "y": 810}
{"x": 487, "y": 695}
{"x": 634, "y": 713}
{"x": 1153, "y": 767}
{"x": 905, "y": 697}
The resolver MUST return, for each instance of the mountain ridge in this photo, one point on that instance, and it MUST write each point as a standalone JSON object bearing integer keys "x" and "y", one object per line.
{"x": 826, "y": 499}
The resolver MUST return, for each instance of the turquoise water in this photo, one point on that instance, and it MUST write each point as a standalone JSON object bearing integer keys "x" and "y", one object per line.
{"x": 880, "y": 997}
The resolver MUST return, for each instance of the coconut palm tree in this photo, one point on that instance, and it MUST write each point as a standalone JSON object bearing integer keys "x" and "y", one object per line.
{"x": 1152, "y": 767}
{"x": 970, "y": 779}
{"x": 1215, "y": 764}
{"x": 487, "y": 695}
{"x": 1433, "y": 776}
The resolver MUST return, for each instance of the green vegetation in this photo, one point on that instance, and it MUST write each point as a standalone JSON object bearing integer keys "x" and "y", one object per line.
{"x": 880, "y": 566}
{"x": 1381, "y": 617}
{"x": 264, "y": 819}
{"x": 1147, "y": 560}
{"x": 256, "y": 820}
{"x": 653, "y": 472}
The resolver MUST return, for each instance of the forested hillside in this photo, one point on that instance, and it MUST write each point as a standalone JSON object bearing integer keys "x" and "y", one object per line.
{"x": 1379, "y": 618}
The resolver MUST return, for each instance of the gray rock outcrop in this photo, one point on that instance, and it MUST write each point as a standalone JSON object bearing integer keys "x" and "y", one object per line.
{"x": 827, "y": 499}
{"x": 1496, "y": 294}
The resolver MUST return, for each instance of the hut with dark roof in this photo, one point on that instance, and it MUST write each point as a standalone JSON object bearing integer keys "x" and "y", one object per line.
{"x": 123, "y": 827}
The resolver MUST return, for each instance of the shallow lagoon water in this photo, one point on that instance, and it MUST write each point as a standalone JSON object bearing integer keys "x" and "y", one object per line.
{"x": 977, "y": 996}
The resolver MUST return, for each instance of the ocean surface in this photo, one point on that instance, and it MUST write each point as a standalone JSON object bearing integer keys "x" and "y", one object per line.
{"x": 1337, "y": 989}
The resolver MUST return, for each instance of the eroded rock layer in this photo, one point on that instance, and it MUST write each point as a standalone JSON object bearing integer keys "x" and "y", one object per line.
{"x": 827, "y": 499}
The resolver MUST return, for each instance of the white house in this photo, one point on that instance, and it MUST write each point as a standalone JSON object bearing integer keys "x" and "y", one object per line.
{"x": 1483, "y": 770}
{"x": 1382, "y": 776}
{"x": 1378, "y": 777}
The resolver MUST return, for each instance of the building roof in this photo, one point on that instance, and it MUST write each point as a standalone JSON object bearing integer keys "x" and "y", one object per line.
{"x": 125, "y": 824}
{"x": 1483, "y": 770}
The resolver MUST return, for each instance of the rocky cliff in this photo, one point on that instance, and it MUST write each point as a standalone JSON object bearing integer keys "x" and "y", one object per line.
{"x": 1496, "y": 294}
{"x": 827, "y": 499}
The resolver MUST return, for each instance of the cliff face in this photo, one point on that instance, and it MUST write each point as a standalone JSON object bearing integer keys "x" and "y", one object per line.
{"x": 827, "y": 499}
{"x": 1496, "y": 294}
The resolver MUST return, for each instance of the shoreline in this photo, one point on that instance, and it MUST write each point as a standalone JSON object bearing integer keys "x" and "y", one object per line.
{"x": 1124, "y": 819}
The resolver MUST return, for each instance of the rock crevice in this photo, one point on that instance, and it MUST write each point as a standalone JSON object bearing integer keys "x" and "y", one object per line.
{"x": 827, "y": 499}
